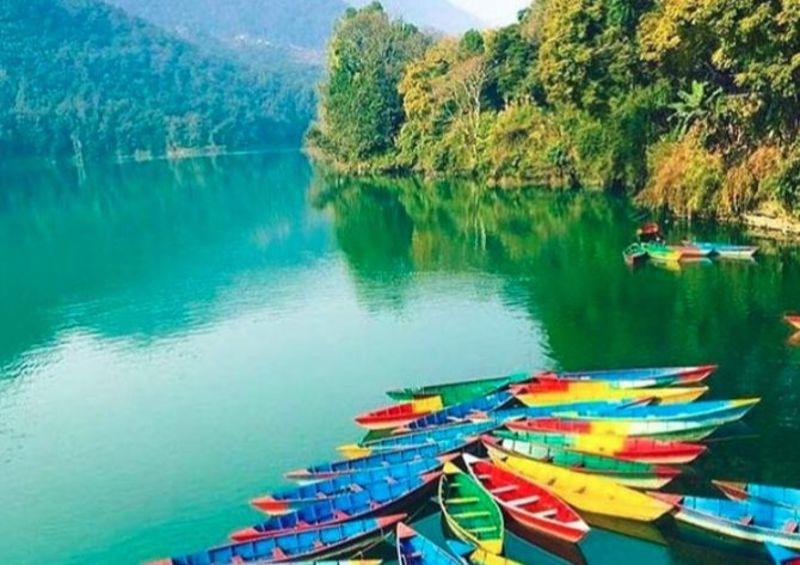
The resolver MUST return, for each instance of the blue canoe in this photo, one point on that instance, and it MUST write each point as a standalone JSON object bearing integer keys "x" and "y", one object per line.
{"x": 712, "y": 411}
{"x": 727, "y": 250}
{"x": 288, "y": 500}
{"x": 324, "y": 471}
{"x": 749, "y": 520}
{"x": 320, "y": 543}
{"x": 372, "y": 500}
{"x": 441, "y": 434}
{"x": 415, "y": 549}
{"x": 659, "y": 376}
{"x": 461, "y": 412}
{"x": 782, "y": 496}
{"x": 782, "y": 556}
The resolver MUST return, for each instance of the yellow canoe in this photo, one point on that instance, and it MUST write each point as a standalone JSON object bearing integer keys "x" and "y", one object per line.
{"x": 547, "y": 394}
{"x": 587, "y": 493}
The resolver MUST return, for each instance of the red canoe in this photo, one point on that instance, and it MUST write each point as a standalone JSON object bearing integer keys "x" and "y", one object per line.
{"x": 793, "y": 320}
{"x": 574, "y": 435}
{"x": 531, "y": 505}
{"x": 399, "y": 415}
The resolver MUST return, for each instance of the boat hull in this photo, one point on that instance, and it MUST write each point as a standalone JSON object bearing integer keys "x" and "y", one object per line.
{"x": 587, "y": 493}
{"x": 530, "y": 505}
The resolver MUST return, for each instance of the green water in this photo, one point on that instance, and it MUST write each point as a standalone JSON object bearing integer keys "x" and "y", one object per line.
{"x": 174, "y": 337}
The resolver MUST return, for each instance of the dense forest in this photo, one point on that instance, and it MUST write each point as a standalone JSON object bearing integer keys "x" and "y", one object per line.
{"x": 80, "y": 78}
{"x": 691, "y": 105}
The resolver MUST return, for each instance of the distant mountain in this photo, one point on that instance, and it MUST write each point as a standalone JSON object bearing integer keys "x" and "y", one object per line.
{"x": 78, "y": 77}
{"x": 436, "y": 14}
{"x": 301, "y": 24}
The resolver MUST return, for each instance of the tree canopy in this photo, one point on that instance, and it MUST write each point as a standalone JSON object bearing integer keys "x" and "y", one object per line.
{"x": 692, "y": 105}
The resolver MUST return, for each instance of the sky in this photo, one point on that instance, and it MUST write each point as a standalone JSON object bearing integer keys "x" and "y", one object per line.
{"x": 495, "y": 12}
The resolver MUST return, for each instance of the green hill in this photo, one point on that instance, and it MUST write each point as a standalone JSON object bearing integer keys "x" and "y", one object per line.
{"x": 78, "y": 77}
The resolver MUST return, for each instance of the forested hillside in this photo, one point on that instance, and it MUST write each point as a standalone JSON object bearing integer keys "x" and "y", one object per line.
{"x": 283, "y": 23}
{"x": 79, "y": 78}
{"x": 691, "y": 105}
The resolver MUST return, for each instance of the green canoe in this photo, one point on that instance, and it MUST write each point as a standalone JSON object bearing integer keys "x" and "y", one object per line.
{"x": 635, "y": 474}
{"x": 456, "y": 393}
{"x": 470, "y": 512}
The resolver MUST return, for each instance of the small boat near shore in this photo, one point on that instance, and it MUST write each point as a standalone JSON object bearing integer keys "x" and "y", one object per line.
{"x": 395, "y": 416}
{"x": 748, "y": 520}
{"x": 372, "y": 500}
{"x": 557, "y": 392}
{"x": 527, "y": 503}
{"x": 724, "y": 250}
{"x": 667, "y": 430}
{"x": 587, "y": 493}
{"x": 662, "y": 253}
{"x": 632, "y": 448}
{"x": 416, "y": 549}
{"x": 634, "y": 254}
{"x": 638, "y": 378}
{"x": 463, "y": 412}
{"x": 469, "y": 511}
{"x": 325, "y": 471}
{"x": 634, "y": 474}
{"x": 292, "y": 499}
{"x": 308, "y": 545}
{"x": 464, "y": 432}
{"x": 780, "y": 496}
{"x": 458, "y": 392}
{"x": 713, "y": 411}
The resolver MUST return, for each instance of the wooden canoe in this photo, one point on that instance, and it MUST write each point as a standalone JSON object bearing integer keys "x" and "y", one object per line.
{"x": 527, "y": 503}
{"x": 325, "y": 471}
{"x": 587, "y": 493}
{"x": 640, "y": 378}
{"x": 375, "y": 499}
{"x": 713, "y": 411}
{"x": 748, "y": 520}
{"x": 458, "y": 392}
{"x": 634, "y": 474}
{"x": 793, "y": 320}
{"x": 319, "y": 543}
{"x": 289, "y": 500}
{"x": 468, "y": 554}
{"x": 636, "y": 449}
{"x": 663, "y": 253}
{"x": 666, "y": 430}
{"x": 555, "y": 392}
{"x": 725, "y": 250}
{"x": 450, "y": 432}
{"x": 416, "y": 549}
{"x": 634, "y": 254}
{"x": 466, "y": 411}
{"x": 469, "y": 511}
{"x": 398, "y": 415}
{"x": 782, "y": 556}
{"x": 781, "y": 496}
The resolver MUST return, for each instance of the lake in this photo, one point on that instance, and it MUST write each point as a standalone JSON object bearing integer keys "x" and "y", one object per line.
{"x": 175, "y": 336}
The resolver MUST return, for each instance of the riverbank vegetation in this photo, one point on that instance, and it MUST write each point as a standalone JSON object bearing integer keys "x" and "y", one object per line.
{"x": 690, "y": 105}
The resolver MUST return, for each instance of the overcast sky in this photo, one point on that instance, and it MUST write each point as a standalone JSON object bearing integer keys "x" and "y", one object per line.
{"x": 495, "y": 12}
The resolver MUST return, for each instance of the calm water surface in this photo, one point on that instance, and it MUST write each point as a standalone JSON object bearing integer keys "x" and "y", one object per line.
{"x": 174, "y": 337}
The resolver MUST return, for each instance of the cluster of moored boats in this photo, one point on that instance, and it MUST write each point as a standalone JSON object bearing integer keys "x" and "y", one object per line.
{"x": 548, "y": 453}
{"x": 651, "y": 245}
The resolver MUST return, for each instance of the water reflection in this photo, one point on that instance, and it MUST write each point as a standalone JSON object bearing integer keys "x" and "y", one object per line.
{"x": 143, "y": 250}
